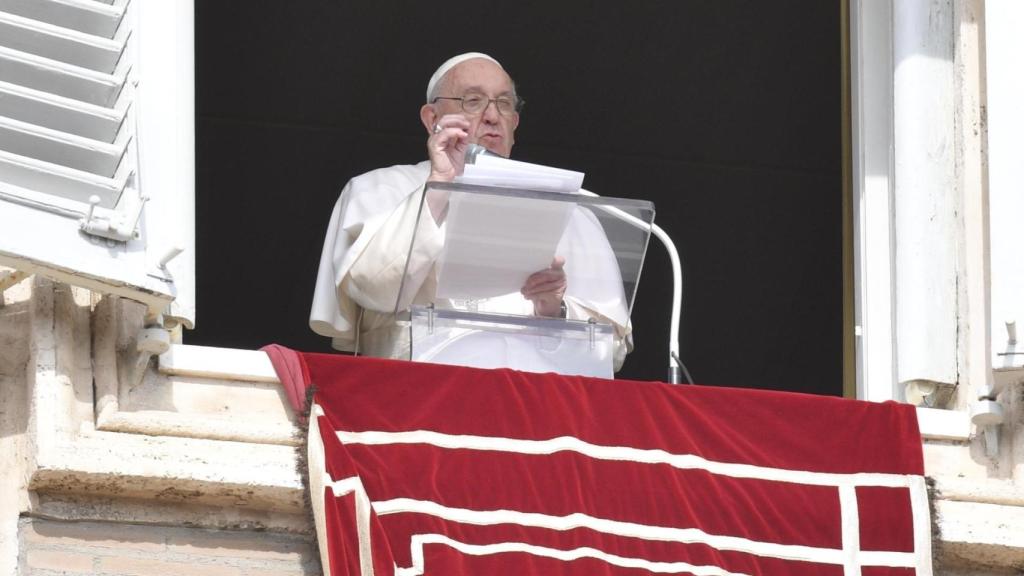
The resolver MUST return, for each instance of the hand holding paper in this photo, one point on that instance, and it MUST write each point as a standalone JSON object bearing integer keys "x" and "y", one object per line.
{"x": 493, "y": 244}
{"x": 547, "y": 288}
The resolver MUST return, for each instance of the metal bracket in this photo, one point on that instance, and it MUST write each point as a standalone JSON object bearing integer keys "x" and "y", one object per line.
{"x": 120, "y": 226}
{"x": 161, "y": 272}
{"x": 592, "y": 332}
{"x": 430, "y": 319}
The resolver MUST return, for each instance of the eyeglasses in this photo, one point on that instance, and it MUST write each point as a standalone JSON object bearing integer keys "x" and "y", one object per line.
{"x": 477, "y": 103}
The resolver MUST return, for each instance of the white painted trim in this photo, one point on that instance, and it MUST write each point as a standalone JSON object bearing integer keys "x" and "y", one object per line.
{"x": 219, "y": 363}
{"x": 874, "y": 238}
{"x": 164, "y": 110}
{"x": 67, "y": 257}
{"x": 972, "y": 166}
{"x": 1005, "y": 91}
{"x": 936, "y": 424}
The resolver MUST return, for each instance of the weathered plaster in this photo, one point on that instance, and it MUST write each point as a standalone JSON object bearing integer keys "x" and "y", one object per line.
{"x": 981, "y": 534}
{"x": 214, "y": 452}
{"x": 166, "y": 511}
{"x": 14, "y": 354}
{"x": 189, "y": 399}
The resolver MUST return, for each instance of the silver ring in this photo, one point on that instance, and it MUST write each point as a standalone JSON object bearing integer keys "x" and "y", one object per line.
{"x": 437, "y": 128}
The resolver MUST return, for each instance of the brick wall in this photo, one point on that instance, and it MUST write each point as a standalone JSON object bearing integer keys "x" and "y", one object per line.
{"x": 51, "y": 548}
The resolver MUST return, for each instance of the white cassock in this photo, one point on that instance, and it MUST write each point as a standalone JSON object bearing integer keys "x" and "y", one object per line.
{"x": 364, "y": 260}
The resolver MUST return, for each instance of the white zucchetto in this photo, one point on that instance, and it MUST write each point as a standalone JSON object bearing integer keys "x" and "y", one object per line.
{"x": 452, "y": 63}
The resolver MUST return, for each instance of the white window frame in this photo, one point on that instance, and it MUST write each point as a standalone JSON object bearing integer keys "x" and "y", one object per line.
{"x": 1005, "y": 92}
{"x": 872, "y": 26}
{"x": 991, "y": 274}
{"x": 874, "y": 243}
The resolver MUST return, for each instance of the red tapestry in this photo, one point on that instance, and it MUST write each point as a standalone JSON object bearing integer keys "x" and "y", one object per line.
{"x": 428, "y": 469}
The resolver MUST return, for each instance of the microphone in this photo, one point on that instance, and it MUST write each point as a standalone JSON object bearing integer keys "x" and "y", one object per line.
{"x": 474, "y": 150}
{"x": 676, "y": 368}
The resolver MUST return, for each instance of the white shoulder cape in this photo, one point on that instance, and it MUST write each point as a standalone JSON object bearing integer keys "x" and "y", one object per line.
{"x": 364, "y": 204}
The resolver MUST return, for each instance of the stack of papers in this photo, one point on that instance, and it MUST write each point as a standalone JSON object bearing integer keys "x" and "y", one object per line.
{"x": 493, "y": 243}
{"x": 505, "y": 173}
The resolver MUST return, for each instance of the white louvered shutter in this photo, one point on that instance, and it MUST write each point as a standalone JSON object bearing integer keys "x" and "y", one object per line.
{"x": 97, "y": 146}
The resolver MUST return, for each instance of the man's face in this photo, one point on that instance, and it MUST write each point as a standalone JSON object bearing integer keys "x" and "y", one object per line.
{"x": 489, "y": 128}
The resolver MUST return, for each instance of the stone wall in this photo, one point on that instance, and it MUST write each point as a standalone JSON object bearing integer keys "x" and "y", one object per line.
{"x": 117, "y": 460}
{"x": 52, "y": 548}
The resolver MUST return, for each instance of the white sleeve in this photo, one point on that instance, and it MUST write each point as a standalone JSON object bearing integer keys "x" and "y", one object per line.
{"x": 595, "y": 281}
{"x": 623, "y": 334}
{"x": 375, "y": 277}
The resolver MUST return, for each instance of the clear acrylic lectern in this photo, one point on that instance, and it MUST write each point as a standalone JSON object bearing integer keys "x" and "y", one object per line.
{"x": 473, "y": 248}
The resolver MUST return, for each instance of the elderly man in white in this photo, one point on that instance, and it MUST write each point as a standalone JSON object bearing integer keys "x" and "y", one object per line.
{"x": 470, "y": 100}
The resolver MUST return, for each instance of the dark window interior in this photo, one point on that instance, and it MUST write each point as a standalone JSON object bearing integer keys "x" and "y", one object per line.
{"x": 725, "y": 113}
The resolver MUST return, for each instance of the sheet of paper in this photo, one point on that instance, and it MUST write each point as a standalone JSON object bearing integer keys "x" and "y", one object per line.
{"x": 493, "y": 243}
{"x": 496, "y": 171}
